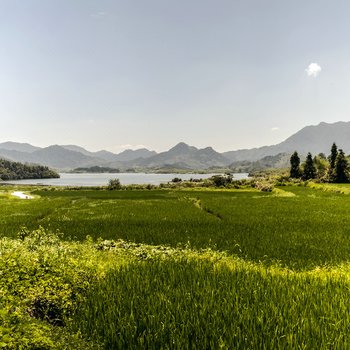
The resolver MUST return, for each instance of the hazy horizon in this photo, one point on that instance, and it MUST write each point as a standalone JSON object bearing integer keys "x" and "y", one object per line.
{"x": 116, "y": 75}
{"x": 138, "y": 147}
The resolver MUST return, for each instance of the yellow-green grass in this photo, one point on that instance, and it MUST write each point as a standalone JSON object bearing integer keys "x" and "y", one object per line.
{"x": 297, "y": 227}
{"x": 237, "y": 269}
{"x": 116, "y": 295}
{"x": 329, "y": 187}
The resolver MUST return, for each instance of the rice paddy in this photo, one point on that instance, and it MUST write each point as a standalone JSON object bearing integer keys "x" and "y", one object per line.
{"x": 178, "y": 269}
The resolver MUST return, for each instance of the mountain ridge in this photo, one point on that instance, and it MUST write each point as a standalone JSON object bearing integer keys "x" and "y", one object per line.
{"x": 187, "y": 155}
{"x": 312, "y": 138}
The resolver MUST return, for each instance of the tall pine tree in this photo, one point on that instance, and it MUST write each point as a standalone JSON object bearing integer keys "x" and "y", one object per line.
{"x": 294, "y": 165}
{"x": 341, "y": 173}
{"x": 309, "y": 168}
{"x": 333, "y": 156}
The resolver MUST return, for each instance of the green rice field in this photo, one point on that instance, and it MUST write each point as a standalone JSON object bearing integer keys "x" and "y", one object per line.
{"x": 175, "y": 269}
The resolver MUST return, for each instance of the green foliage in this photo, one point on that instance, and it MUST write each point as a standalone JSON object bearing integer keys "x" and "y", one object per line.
{"x": 114, "y": 294}
{"x": 41, "y": 282}
{"x": 341, "y": 169}
{"x": 96, "y": 169}
{"x": 263, "y": 185}
{"x": 333, "y": 155}
{"x": 306, "y": 225}
{"x": 222, "y": 180}
{"x": 334, "y": 171}
{"x": 18, "y": 171}
{"x": 321, "y": 165}
{"x": 322, "y": 156}
{"x": 294, "y": 165}
{"x": 114, "y": 184}
{"x": 189, "y": 300}
{"x": 309, "y": 171}
{"x": 280, "y": 284}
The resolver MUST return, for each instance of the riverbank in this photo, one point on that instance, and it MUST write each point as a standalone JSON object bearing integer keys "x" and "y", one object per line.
{"x": 93, "y": 179}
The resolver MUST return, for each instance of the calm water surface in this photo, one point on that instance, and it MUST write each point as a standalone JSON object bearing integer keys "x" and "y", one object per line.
{"x": 125, "y": 179}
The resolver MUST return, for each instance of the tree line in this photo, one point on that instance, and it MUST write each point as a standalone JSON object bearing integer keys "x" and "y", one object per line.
{"x": 19, "y": 171}
{"x": 334, "y": 168}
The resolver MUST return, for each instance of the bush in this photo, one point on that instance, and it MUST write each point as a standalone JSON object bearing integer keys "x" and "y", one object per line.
{"x": 114, "y": 184}
{"x": 263, "y": 186}
{"x": 41, "y": 284}
{"x": 221, "y": 180}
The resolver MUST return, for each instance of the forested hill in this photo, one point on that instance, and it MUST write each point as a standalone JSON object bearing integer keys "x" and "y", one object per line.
{"x": 18, "y": 171}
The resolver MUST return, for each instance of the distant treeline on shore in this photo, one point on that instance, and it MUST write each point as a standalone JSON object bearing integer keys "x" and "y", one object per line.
{"x": 19, "y": 171}
{"x": 96, "y": 169}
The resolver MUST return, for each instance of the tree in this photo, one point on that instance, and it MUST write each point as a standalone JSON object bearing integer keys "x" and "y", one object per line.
{"x": 309, "y": 168}
{"x": 333, "y": 156}
{"x": 294, "y": 165}
{"x": 322, "y": 156}
{"x": 221, "y": 180}
{"x": 321, "y": 164}
{"x": 341, "y": 168}
{"x": 18, "y": 171}
{"x": 114, "y": 184}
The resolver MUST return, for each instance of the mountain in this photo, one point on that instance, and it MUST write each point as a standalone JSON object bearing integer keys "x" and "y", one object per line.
{"x": 105, "y": 155}
{"x": 61, "y": 158}
{"x": 77, "y": 149}
{"x": 124, "y": 156}
{"x": 16, "y": 146}
{"x": 16, "y": 156}
{"x": 185, "y": 156}
{"x": 67, "y": 157}
{"x": 52, "y": 156}
{"x": 280, "y": 160}
{"x": 129, "y": 154}
{"x": 314, "y": 139}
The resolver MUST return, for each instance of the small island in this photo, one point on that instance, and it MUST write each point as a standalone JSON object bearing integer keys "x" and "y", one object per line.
{"x": 95, "y": 169}
{"x": 18, "y": 171}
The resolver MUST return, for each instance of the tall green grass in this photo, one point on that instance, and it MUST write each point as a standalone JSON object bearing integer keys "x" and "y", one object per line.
{"x": 302, "y": 231}
{"x": 208, "y": 301}
{"x": 120, "y": 295}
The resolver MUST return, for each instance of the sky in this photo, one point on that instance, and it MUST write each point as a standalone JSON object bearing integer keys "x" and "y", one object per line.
{"x": 116, "y": 74}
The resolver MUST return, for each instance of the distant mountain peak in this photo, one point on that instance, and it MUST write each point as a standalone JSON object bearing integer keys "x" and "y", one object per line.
{"x": 185, "y": 156}
{"x": 130, "y": 155}
{"x": 182, "y": 147}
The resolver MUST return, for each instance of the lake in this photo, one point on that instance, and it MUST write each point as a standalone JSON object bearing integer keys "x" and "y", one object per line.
{"x": 125, "y": 179}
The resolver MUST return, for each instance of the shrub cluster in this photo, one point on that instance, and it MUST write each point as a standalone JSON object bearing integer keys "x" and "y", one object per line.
{"x": 41, "y": 282}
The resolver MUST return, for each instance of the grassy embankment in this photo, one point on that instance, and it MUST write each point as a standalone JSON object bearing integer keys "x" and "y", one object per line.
{"x": 234, "y": 269}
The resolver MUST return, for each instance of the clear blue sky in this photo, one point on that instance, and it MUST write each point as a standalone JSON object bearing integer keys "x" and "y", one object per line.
{"x": 229, "y": 74}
